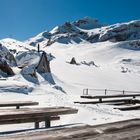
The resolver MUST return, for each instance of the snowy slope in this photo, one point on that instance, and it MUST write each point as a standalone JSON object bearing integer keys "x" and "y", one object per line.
{"x": 117, "y": 66}
{"x": 13, "y": 44}
{"x": 73, "y": 78}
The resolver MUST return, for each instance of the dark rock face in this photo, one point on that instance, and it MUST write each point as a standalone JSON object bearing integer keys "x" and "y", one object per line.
{"x": 121, "y": 32}
{"x": 88, "y": 23}
{"x": 33, "y": 43}
{"x": 7, "y": 56}
{"x": 93, "y": 38}
{"x": 135, "y": 44}
{"x": 43, "y": 65}
{"x": 46, "y": 35}
{"x": 11, "y": 59}
{"x": 4, "y": 67}
{"x": 73, "y": 61}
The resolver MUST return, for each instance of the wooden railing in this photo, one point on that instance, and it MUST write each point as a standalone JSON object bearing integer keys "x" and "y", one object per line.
{"x": 88, "y": 91}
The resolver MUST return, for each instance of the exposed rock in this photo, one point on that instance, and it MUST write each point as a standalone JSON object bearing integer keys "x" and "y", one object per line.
{"x": 11, "y": 59}
{"x": 29, "y": 73}
{"x": 91, "y": 63}
{"x": 4, "y": 67}
{"x": 7, "y": 56}
{"x": 88, "y": 23}
{"x": 121, "y": 32}
{"x": 93, "y": 38}
{"x": 43, "y": 64}
{"x": 73, "y": 61}
{"x": 135, "y": 44}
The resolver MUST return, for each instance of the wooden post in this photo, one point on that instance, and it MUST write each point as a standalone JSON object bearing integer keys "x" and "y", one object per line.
{"x": 47, "y": 123}
{"x": 87, "y": 91}
{"x": 36, "y": 125}
{"x": 17, "y": 107}
{"x": 134, "y": 97}
{"x": 100, "y": 100}
{"x": 83, "y": 91}
{"x": 105, "y": 91}
{"x": 38, "y": 48}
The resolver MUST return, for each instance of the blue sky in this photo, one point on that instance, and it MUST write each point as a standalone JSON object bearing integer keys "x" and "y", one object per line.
{"x": 22, "y": 19}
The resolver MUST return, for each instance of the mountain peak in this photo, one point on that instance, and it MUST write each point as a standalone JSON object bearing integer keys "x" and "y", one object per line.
{"x": 88, "y": 23}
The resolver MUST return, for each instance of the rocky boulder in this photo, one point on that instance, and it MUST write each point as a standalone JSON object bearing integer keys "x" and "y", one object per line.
{"x": 5, "y": 68}
{"x": 7, "y": 56}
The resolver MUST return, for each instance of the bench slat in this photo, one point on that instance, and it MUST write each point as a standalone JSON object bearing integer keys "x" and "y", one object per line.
{"x": 46, "y": 112}
{"x": 27, "y": 120}
{"x": 109, "y": 96}
{"x": 129, "y": 108}
{"x": 18, "y": 103}
{"x": 129, "y": 101}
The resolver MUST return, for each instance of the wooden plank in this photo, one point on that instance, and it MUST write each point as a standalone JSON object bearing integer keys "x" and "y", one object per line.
{"x": 118, "y": 103}
{"x": 129, "y": 130}
{"x": 137, "y": 107}
{"x": 110, "y": 101}
{"x": 109, "y": 96}
{"x": 46, "y": 112}
{"x": 27, "y": 120}
{"x": 17, "y": 103}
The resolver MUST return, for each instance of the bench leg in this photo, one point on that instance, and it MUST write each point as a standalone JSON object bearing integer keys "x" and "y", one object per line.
{"x": 36, "y": 125}
{"x": 47, "y": 123}
{"x": 17, "y": 107}
{"x": 100, "y": 100}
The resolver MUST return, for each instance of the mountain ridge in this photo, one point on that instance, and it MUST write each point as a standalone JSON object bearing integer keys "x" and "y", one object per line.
{"x": 87, "y": 30}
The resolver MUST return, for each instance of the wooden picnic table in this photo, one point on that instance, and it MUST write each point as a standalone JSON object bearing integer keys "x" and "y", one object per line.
{"x": 34, "y": 115}
{"x": 100, "y": 97}
{"x": 127, "y": 108}
{"x": 18, "y": 104}
{"x": 125, "y": 101}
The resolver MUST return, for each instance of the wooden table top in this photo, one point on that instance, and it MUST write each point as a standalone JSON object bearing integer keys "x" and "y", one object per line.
{"x": 17, "y": 103}
{"x": 43, "y": 111}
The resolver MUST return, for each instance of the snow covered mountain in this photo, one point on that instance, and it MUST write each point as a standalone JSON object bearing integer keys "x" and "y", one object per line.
{"x": 67, "y": 33}
{"x": 88, "y": 30}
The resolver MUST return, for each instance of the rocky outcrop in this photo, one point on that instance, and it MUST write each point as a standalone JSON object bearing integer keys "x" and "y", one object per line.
{"x": 7, "y": 56}
{"x": 121, "y": 32}
{"x": 5, "y": 68}
{"x": 88, "y": 23}
{"x": 135, "y": 44}
{"x": 73, "y": 61}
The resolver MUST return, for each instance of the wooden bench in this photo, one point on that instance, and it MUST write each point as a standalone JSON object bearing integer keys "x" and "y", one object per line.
{"x": 127, "y": 108}
{"x": 35, "y": 115}
{"x": 18, "y": 104}
{"x": 35, "y": 119}
{"x": 125, "y": 101}
{"x": 100, "y": 97}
